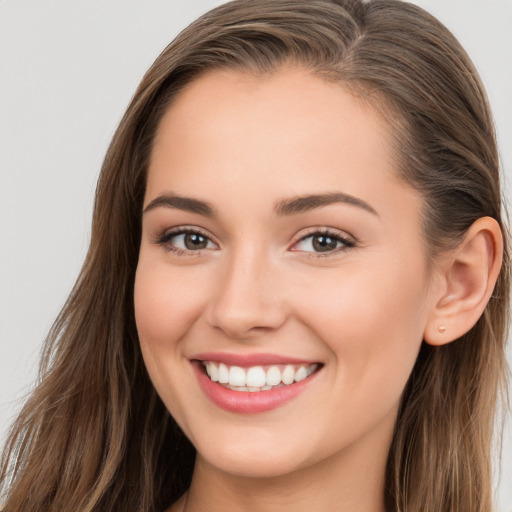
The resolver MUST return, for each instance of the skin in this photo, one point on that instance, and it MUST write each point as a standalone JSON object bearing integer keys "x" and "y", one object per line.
{"x": 243, "y": 143}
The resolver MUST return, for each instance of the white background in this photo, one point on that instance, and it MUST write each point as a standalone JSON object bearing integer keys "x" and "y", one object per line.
{"x": 67, "y": 71}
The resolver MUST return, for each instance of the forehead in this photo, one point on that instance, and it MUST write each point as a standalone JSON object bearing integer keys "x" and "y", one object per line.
{"x": 254, "y": 139}
{"x": 290, "y": 103}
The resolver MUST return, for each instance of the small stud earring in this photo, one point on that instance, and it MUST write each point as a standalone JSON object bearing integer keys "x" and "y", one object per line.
{"x": 441, "y": 329}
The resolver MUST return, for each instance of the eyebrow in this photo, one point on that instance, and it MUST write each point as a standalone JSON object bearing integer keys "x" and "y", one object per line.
{"x": 187, "y": 204}
{"x": 285, "y": 207}
{"x": 304, "y": 204}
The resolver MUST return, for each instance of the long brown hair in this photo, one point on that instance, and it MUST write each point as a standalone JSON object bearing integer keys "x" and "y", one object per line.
{"x": 94, "y": 435}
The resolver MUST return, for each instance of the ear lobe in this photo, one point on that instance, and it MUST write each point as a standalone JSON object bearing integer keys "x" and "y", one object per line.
{"x": 468, "y": 277}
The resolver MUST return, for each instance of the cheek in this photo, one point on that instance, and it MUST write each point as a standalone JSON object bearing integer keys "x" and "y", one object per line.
{"x": 363, "y": 305}
{"x": 373, "y": 324}
{"x": 373, "y": 329}
{"x": 166, "y": 304}
{"x": 166, "y": 307}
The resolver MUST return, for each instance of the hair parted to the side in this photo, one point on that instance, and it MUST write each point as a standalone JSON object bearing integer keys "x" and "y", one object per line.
{"x": 94, "y": 435}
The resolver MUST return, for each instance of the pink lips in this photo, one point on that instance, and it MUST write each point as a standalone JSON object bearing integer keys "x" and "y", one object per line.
{"x": 248, "y": 402}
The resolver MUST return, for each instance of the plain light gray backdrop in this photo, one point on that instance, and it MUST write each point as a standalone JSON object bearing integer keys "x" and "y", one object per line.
{"x": 67, "y": 71}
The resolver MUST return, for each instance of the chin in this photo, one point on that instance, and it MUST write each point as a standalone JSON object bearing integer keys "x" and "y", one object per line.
{"x": 252, "y": 465}
{"x": 253, "y": 454}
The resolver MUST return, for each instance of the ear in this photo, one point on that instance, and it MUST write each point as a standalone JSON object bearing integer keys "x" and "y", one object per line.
{"x": 467, "y": 278}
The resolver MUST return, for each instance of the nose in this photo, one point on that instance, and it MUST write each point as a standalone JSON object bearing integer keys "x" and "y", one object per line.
{"x": 249, "y": 299}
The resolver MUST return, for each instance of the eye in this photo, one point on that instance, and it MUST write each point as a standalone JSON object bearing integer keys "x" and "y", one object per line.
{"x": 323, "y": 242}
{"x": 185, "y": 240}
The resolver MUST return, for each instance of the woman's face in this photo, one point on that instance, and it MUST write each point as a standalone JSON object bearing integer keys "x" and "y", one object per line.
{"x": 279, "y": 245}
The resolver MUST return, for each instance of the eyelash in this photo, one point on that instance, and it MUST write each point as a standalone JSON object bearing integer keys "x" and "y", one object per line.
{"x": 164, "y": 241}
{"x": 346, "y": 243}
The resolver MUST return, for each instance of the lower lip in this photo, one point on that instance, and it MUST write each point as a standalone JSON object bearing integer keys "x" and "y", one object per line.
{"x": 247, "y": 402}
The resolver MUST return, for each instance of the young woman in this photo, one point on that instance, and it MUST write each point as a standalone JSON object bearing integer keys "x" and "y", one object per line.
{"x": 296, "y": 293}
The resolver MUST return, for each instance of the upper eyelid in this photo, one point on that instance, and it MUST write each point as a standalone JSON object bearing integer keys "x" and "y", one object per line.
{"x": 342, "y": 235}
{"x": 323, "y": 230}
{"x": 178, "y": 230}
{"x": 164, "y": 241}
{"x": 163, "y": 238}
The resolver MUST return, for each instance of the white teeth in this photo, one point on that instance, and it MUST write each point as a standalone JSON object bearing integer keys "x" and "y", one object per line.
{"x": 288, "y": 374}
{"x": 243, "y": 388}
{"x": 223, "y": 373}
{"x": 301, "y": 374}
{"x": 236, "y": 376}
{"x": 273, "y": 376}
{"x": 256, "y": 377}
{"x": 213, "y": 371}
{"x": 311, "y": 369}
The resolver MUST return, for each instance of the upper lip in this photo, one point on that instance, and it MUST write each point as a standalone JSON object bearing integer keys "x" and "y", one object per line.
{"x": 231, "y": 359}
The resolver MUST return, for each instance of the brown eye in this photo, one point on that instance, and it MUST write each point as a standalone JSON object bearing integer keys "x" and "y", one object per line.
{"x": 185, "y": 240}
{"x": 324, "y": 243}
{"x": 194, "y": 241}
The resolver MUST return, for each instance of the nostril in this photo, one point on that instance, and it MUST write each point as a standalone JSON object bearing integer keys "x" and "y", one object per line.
{"x": 239, "y": 321}
{"x": 247, "y": 301}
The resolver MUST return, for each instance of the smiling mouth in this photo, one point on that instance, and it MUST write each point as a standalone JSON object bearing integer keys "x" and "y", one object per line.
{"x": 257, "y": 378}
